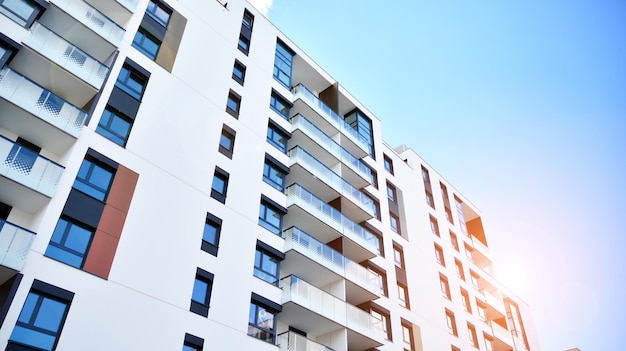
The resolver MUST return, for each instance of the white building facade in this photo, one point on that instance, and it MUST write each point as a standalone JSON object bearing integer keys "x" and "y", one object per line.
{"x": 180, "y": 175}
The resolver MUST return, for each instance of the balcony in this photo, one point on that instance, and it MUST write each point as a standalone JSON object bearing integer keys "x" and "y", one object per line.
{"x": 314, "y": 215}
{"x": 37, "y": 177}
{"x": 321, "y": 265}
{"x": 480, "y": 254}
{"x": 290, "y": 341}
{"x": 328, "y": 121}
{"x": 502, "y": 339}
{"x": 495, "y": 306}
{"x": 306, "y": 134}
{"x": 36, "y": 114}
{"x": 328, "y": 185}
{"x": 15, "y": 243}
{"x": 309, "y": 308}
{"x": 119, "y": 11}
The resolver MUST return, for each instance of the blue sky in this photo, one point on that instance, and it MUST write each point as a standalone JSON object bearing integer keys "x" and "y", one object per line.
{"x": 522, "y": 106}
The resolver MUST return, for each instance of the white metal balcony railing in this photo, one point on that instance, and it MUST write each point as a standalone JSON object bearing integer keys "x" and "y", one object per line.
{"x": 93, "y": 19}
{"x": 35, "y": 99}
{"x": 66, "y": 55}
{"x": 296, "y": 193}
{"x": 331, "y": 307}
{"x": 299, "y": 155}
{"x": 327, "y": 256}
{"x": 300, "y": 122}
{"x": 290, "y": 341}
{"x": 300, "y": 91}
{"x": 15, "y": 243}
{"x": 29, "y": 168}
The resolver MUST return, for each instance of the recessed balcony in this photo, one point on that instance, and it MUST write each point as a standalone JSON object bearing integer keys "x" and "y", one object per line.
{"x": 328, "y": 185}
{"x": 58, "y": 65}
{"x": 305, "y": 102}
{"x": 36, "y": 114}
{"x": 309, "y": 308}
{"x": 311, "y": 214}
{"x": 27, "y": 179}
{"x": 15, "y": 243}
{"x": 495, "y": 305}
{"x": 329, "y": 152}
{"x": 290, "y": 341}
{"x": 502, "y": 339}
{"x": 480, "y": 254}
{"x": 321, "y": 265}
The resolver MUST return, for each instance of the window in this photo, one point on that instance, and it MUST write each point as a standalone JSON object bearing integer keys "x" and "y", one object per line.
{"x": 23, "y": 12}
{"x": 283, "y": 62}
{"x": 41, "y": 320}
{"x": 488, "y": 342}
{"x": 239, "y": 72}
{"x": 132, "y": 81}
{"x": 193, "y": 343}
{"x": 211, "y": 234}
{"x": 388, "y": 163}
{"x": 227, "y": 141}
{"x": 382, "y": 318}
{"x": 22, "y": 156}
{"x": 403, "y": 295}
{"x": 475, "y": 280}
{"x": 280, "y": 105}
{"x": 407, "y": 336}
{"x": 159, "y": 11}
{"x": 398, "y": 255}
{"x": 243, "y": 44}
{"x": 466, "y": 301}
{"x": 374, "y": 177}
{"x": 425, "y": 175}
{"x": 363, "y": 126}
{"x": 247, "y": 20}
{"x": 277, "y": 136}
{"x": 449, "y": 215}
{"x": 439, "y": 255}
{"x": 429, "y": 199}
{"x": 220, "y": 185}
{"x": 468, "y": 252}
{"x": 471, "y": 330}
{"x": 147, "y": 43}
{"x": 382, "y": 278}
{"x": 201, "y": 294}
{"x": 454, "y": 241}
{"x": 444, "y": 286}
{"x": 451, "y": 322}
{"x": 245, "y": 34}
{"x": 481, "y": 309}
{"x": 115, "y": 126}
{"x": 261, "y": 321}
{"x": 94, "y": 178}
{"x": 233, "y": 104}
{"x": 454, "y": 348}
{"x": 267, "y": 263}
{"x": 8, "y": 49}
{"x": 459, "y": 211}
{"x": 274, "y": 173}
{"x": 459, "y": 269}
{"x": 271, "y": 216}
{"x": 434, "y": 226}
{"x": 70, "y": 242}
{"x": 395, "y": 223}
{"x": 391, "y": 193}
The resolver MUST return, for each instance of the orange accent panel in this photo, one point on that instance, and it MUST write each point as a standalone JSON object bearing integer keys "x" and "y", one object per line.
{"x": 101, "y": 254}
{"x": 112, "y": 221}
{"x": 122, "y": 189}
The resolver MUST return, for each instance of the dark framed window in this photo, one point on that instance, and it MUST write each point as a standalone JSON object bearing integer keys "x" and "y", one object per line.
{"x": 266, "y": 265}
{"x": 403, "y": 295}
{"x": 248, "y": 19}
{"x": 245, "y": 35}
{"x": 8, "y": 50}
{"x": 398, "y": 256}
{"x": 147, "y": 43}
{"x": 41, "y": 320}
{"x": 233, "y": 103}
{"x": 243, "y": 44}
{"x": 262, "y": 321}
{"x": 22, "y": 156}
{"x": 363, "y": 125}
{"x": 94, "y": 178}
{"x": 274, "y": 173}
{"x": 407, "y": 335}
{"x": 277, "y": 136}
{"x": 391, "y": 193}
{"x": 220, "y": 185}
{"x": 239, "y": 72}
{"x": 227, "y": 141}
{"x": 193, "y": 343}
{"x": 70, "y": 242}
{"x": 388, "y": 163}
{"x": 201, "y": 294}
{"x": 211, "y": 234}
{"x": 283, "y": 62}
{"x": 271, "y": 216}
{"x": 23, "y": 12}
{"x": 159, "y": 11}
{"x": 382, "y": 318}
{"x": 280, "y": 105}
{"x": 115, "y": 126}
{"x": 394, "y": 222}
{"x": 132, "y": 81}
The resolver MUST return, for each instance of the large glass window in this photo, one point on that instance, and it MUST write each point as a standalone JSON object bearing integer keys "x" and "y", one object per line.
{"x": 147, "y": 43}
{"x": 94, "y": 178}
{"x": 23, "y": 12}
{"x": 159, "y": 12}
{"x": 233, "y": 104}
{"x": 261, "y": 322}
{"x": 274, "y": 175}
{"x": 270, "y": 217}
{"x": 246, "y": 32}
{"x": 132, "y": 82}
{"x": 239, "y": 72}
{"x": 211, "y": 234}
{"x": 266, "y": 266}
{"x": 283, "y": 62}
{"x": 70, "y": 242}
{"x": 363, "y": 125}
{"x": 114, "y": 126}
{"x": 201, "y": 294}
{"x": 220, "y": 185}
{"x": 277, "y": 137}
{"x": 280, "y": 105}
{"x": 227, "y": 141}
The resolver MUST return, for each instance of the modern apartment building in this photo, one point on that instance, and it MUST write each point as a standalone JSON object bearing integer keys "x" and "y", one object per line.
{"x": 180, "y": 175}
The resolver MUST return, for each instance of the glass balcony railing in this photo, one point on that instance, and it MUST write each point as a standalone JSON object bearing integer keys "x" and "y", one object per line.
{"x": 15, "y": 243}
{"x": 327, "y": 305}
{"x": 501, "y": 333}
{"x": 299, "y": 121}
{"x": 331, "y": 178}
{"x": 28, "y": 168}
{"x": 296, "y": 193}
{"x": 93, "y": 19}
{"x": 35, "y": 99}
{"x": 300, "y": 91}
{"x": 325, "y": 255}
{"x": 290, "y": 341}
{"x": 66, "y": 55}
{"x": 131, "y": 5}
